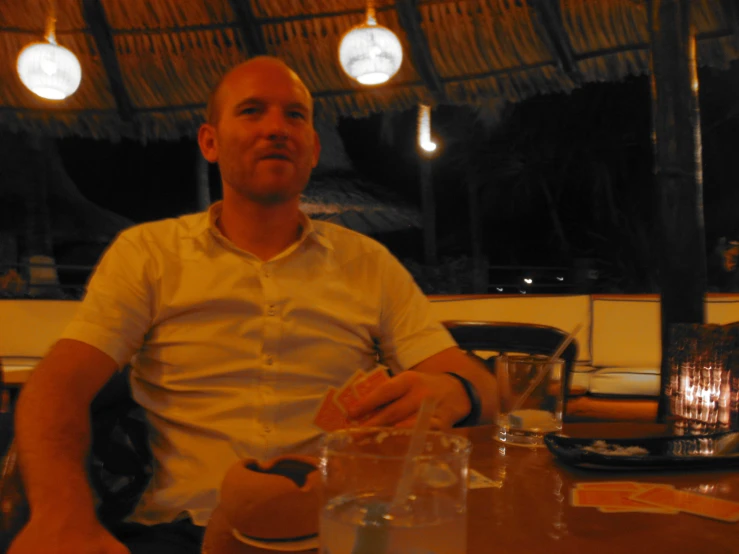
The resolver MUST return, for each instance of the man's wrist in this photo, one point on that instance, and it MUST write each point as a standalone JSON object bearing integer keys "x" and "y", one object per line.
{"x": 71, "y": 498}
{"x": 475, "y": 413}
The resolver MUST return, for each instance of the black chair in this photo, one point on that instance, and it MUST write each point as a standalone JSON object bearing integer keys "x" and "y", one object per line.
{"x": 119, "y": 465}
{"x": 121, "y": 460}
{"x": 503, "y": 338}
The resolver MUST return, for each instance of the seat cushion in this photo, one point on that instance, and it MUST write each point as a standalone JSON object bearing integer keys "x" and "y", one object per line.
{"x": 612, "y": 408}
{"x": 625, "y": 381}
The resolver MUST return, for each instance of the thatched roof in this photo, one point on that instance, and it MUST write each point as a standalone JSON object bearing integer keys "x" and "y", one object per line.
{"x": 338, "y": 193}
{"x": 148, "y": 64}
{"x": 352, "y": 201}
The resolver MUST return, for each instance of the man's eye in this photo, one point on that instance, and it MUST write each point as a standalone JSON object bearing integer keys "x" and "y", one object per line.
{"x": 250, "y": 110}
{"x": 296, "y": 114}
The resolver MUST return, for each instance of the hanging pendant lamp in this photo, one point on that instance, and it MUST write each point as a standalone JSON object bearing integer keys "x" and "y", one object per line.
{"x": 47, "y": 69}
{"x": 370, "y": 53}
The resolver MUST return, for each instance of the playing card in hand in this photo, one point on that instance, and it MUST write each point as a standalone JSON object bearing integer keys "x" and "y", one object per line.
{"x": 329, "y": 416}
{"x": 371, "y": 381}
{"x": 332, "y": 413}
{"x": 346, "y": 398}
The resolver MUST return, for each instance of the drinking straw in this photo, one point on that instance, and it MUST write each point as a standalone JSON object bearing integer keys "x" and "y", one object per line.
{"x": 536, "y": 382}
{"x": 418, "y": 439}
{"x": 372, "y": 535}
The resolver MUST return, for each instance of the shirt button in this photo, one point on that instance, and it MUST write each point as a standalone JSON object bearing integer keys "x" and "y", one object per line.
{"x": 267, "y": 272}
{"x": 269, "y": 360}
{"x": 271, "y": 311}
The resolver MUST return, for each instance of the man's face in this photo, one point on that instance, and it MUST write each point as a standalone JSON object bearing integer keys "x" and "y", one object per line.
{"x": 263, "y": 140}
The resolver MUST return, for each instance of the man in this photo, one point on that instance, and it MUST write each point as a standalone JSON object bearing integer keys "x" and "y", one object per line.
{"x": 235, "y": 322}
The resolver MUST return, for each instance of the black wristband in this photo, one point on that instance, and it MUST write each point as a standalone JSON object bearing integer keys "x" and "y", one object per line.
{"x": 472, "y": 418}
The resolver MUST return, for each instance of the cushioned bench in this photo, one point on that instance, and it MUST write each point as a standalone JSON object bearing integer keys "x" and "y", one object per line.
{"x": 619, "y": 339}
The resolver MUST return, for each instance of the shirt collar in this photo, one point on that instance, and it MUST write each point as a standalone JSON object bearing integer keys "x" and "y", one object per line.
{"x": 309, "y": 229}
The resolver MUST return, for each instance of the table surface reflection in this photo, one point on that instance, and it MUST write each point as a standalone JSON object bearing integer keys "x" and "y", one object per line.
{"x": 529, "y": 509}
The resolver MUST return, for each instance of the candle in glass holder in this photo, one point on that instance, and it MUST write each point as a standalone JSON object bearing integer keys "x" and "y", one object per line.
{"x": 699, "y": 385}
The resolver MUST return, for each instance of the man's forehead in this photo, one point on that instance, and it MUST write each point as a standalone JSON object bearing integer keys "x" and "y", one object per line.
{"x": 267, "y": 82}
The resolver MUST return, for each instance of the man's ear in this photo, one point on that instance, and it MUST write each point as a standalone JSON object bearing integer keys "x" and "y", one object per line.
{"x": 208, "y": 143}
{"x": 316, "y": 148}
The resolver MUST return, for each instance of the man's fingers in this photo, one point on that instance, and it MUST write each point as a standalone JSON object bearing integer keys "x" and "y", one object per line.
{"x": 384, "y": 394}
{"x": 392, "y": 413}
{"x": 406, "y": 423}
{"x": 396, "y": 402}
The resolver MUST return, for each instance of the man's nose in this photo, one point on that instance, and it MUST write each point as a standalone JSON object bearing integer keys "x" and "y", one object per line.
{"x": 276, "y": 125}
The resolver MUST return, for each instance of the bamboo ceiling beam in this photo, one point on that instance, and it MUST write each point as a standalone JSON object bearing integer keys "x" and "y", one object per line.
{"x": 548, "y": 18}
{"x": 94, "y": 15}
{"x": 249, "y": 27}
{"x": 410, "y": 21}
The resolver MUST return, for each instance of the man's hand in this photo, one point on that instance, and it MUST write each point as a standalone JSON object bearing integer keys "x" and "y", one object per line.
{"x": 397, "y": 402}
{"x": 68, "y": 537}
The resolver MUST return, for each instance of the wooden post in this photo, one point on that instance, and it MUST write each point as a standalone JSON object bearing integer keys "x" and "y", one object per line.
{"x": 677, "y": 170}
{"x": 203, "y": 189}
{"x": 429, "y": 211}
{"x": 480, "y": 277}
{"x": 38, "y": 258}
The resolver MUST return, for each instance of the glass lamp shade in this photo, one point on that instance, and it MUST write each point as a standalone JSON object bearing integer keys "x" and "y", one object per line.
{"x": 49, "y": 70}
{"x": 370, "y": 53}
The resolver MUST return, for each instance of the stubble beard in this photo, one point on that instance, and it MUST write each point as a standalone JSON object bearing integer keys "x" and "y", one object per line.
{"x": 266, "y": 194}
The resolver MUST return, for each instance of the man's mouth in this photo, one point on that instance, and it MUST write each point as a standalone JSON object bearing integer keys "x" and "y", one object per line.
{"x": 276, "y": 156}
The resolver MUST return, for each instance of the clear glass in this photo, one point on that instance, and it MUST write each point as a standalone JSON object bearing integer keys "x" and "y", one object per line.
{"x": 700, "y": 386}
{"x": 360, "y": 471}
{"x": 530, "y": 398}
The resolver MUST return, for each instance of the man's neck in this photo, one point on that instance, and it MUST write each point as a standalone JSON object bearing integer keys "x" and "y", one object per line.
{"x": 264, "y": 231}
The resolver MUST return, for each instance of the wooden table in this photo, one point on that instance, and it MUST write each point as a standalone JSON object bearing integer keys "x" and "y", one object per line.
{"x": 529, "y": 509}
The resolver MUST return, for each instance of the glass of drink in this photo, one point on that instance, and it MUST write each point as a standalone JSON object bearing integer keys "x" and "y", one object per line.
{"x": 360, "y": 471}
{"x": 530, "y": 395}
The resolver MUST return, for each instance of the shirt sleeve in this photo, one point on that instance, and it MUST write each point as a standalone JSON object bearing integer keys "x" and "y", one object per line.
{"x": 117, "y": 310}
{"x": 409, "y": 332}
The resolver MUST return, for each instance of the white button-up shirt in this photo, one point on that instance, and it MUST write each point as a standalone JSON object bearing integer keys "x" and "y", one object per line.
{"x": 230, "y": 356}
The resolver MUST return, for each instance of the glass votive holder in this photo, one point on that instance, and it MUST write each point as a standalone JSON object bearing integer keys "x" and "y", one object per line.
{"x": 700, "y": 385}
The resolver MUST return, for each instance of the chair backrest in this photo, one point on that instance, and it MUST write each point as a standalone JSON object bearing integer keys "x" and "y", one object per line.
{"x": 502, "y": 337}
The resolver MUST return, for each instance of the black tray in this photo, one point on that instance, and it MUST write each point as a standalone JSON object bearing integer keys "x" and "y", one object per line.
{"x": 672, "y": 452}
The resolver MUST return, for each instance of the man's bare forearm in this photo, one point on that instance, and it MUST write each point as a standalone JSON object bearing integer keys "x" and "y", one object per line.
{"x": 53, "y": 438}
{"x": 472, "y": 369}
{"x": 53, "y": 428}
